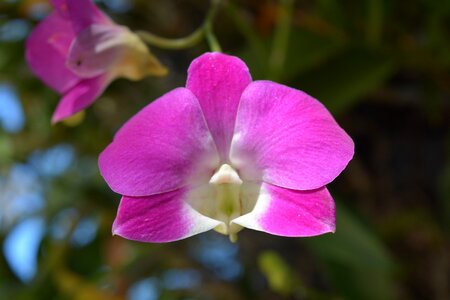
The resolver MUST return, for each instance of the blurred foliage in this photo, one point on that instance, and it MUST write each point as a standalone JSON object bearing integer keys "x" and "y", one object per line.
{"x": 382, "y": 68}
{"x": 355, "y": 251}
{"x": 280, "y": 277}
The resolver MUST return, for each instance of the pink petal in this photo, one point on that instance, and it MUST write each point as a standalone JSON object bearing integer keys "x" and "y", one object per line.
{"x": 287, "y": 138}
{"x": 46, "y": 50}
{"x": 159, "y": 218}
{"x": 167, "y": 145}
{"x": 218, "y": 81}
{"x": 80, "y": 96}
{"x": 61, "y": 41}
{"x": 293, "y": 213}
{"x": 83, "y": 13}
{"x": 61, "y": 7}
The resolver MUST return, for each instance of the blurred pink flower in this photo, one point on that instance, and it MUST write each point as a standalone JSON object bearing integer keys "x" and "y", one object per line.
{"x": 77, "y": 51}
{"x": 226, "y": 153}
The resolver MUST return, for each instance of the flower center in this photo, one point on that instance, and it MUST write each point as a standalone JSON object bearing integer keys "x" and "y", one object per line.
{"x": 227, "y": 184}
{"x": 225, "y": 198}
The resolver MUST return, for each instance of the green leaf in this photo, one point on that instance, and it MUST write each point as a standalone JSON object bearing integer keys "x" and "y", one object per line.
{"x": 444, "y": 190}
{"x": 308, "y": 50}
{"x": 347, "y": 78}
{"x": 6, "y": 149}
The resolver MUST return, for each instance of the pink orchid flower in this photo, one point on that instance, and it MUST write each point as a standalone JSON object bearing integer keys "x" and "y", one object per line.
{"x": 226, "y": 153}
{"x": 77, "y": 51}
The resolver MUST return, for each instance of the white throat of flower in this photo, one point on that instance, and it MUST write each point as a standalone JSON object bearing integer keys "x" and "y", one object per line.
{"x": 225, "y": 198}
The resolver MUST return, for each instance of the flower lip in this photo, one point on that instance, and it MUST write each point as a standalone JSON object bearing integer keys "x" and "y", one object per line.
{"x": 225, "y": 175}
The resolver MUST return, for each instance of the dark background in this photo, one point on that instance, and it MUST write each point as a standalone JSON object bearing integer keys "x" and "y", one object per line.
{"x": 382, "y": 69}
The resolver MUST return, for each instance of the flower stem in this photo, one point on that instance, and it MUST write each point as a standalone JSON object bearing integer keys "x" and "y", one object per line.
{"x": 204, "y": 31}
{"x": 174, "y": 44}
{"x": 208, "y": 27}
{"x": 212, "y": 40}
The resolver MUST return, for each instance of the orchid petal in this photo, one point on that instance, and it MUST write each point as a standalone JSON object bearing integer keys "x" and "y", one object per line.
{"x": 61, "y": 7}
{"x": 292, "y": 213}
{"x": 80, "y": 96}
{"x": 105, "y": 48}
{"x": 46, "y": 48}
{"x": 287, "y": 138}
{"x": 83, "y": 13}
{"x": 95, "y": 50}
{"x": 167, "y": 145}
{"x": 218, "y": 80}
{"x": 160, "y": 218}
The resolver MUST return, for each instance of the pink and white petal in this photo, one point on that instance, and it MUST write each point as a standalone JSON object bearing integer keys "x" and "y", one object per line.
{"x": 218, "y": 80}
{"x": 96, "y": 50}
{"x": 166, "y": 146}
{"x": 160, "y": 218}
{"x": 287, "y": 138}
{"x": 285, "y": 212}
{"x": 84, "y": 13}
{"x": 46, "y": 50}
{"x": 80, "y": 96}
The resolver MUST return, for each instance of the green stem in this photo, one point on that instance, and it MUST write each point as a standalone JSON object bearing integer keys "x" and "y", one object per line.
{"x": 212, "y": 40}
{"x": 281, "y": 39}
{"x": 208, "y": 27}
{"x": 204, "y": 31}
{"x": 174, "y": 44}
